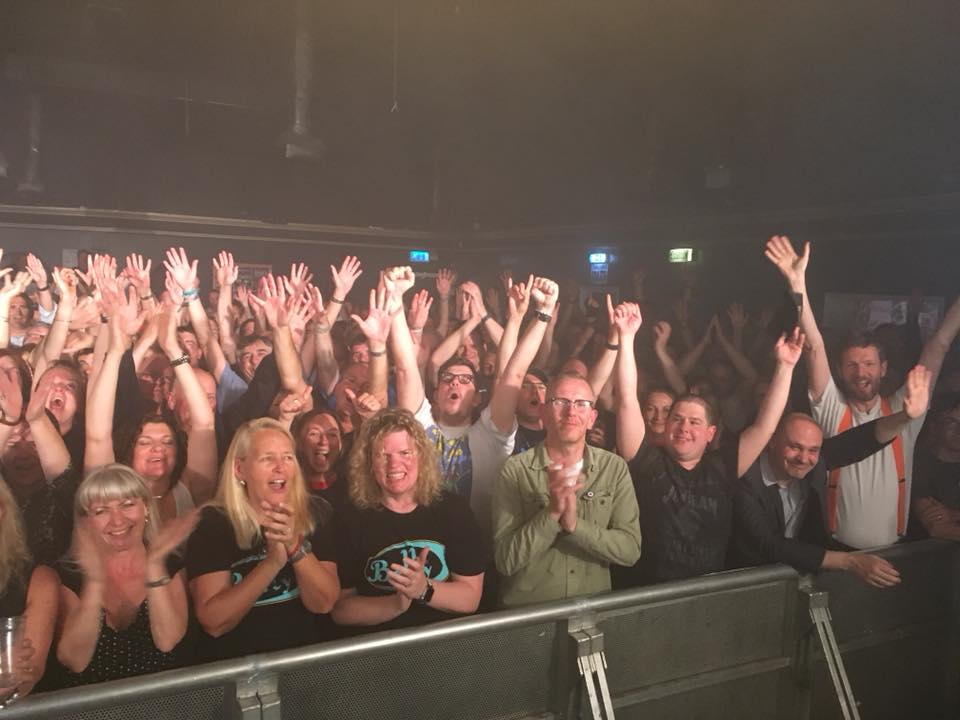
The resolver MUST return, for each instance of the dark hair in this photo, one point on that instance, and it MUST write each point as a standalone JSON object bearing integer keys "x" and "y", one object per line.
{"x": 301, "y": 421}
{"x": 72, "y": 367}
{"x": 248, "y": 340}
{"x": 26, "y": 378}
{"x": 702, "y": 402}
{"x": 457, "y": 360}
{"x": 126, "y": 437}
{"x": 662, "y": 389}
{"x": 862, "y": 339}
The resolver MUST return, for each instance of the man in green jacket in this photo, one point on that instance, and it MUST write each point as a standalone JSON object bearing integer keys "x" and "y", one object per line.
{"x": 563, "y": 511}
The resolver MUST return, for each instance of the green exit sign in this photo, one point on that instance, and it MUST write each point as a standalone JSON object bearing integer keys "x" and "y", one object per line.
{"x": 680, "y": 255}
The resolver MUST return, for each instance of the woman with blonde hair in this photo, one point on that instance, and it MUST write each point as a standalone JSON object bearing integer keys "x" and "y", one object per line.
{"x": 409, "y": 553}
{"x": 261, "y": 562}
{"x": 123, "y": 598}
{"x": 28, "y": 591}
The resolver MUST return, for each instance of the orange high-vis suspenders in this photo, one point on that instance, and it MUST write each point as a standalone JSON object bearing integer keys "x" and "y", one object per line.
{"x": 833, "y": 479}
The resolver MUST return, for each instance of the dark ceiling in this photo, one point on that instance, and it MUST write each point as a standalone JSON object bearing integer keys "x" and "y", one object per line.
{"x": 508, "y": 113}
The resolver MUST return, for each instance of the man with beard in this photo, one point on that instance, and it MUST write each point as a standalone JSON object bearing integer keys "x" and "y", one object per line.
{"x": 866, "y": 503}
{"x": 470, "y": 453}
{"x": 777, "y": 505}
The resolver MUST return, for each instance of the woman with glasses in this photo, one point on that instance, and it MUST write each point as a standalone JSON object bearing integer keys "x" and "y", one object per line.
{"x": 408, "y": 553}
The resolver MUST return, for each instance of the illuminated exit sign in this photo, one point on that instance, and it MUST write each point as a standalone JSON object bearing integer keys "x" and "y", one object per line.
{"x": 680, "y": 255}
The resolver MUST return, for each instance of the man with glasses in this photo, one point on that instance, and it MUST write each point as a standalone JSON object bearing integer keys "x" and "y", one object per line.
{"x": 563, "y": 511}
{"x": 470, "y": 453}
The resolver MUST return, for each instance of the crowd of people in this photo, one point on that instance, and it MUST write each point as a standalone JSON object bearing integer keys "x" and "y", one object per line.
{"x": 185, "y": 481}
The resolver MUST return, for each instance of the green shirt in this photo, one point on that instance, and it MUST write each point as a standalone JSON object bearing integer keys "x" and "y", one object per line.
{"x": 539, "y": 561}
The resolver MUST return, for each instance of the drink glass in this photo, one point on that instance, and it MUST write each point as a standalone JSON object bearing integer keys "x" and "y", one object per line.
{"x": 11, "y": 638}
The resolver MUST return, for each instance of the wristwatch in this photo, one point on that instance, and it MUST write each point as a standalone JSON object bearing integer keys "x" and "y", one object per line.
{"x": 427, "y": 594}
{"x": 305, "y": 547}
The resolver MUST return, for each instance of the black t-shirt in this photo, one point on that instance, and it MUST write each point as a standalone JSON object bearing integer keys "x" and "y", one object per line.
{"x": 48, "y": 517}
{"x": 527, "y": 438}
{"x": 277, "y": 620}
{"x": 369, "y": 541}
{"x": 685, "y": 515}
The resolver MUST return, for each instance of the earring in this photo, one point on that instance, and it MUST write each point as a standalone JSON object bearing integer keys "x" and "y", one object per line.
{"x": 243, "y": 483}
{"x": 146, "y": 520}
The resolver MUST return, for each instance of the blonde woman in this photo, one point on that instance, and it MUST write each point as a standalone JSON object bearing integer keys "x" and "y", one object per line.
{"x": 408, "y": 554}
{"x": 123, "y": 599}
{"x": 261, "y": 562}
{"x": 26, "y": 590}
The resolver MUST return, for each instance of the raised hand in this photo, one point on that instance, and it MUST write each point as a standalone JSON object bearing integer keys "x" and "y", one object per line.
{"x": 270, "y": 299}
{"x": 518, "y": 297}
{"x": 738, "y": 316}
{"x": 544, "y": 294}
{"x": 345, "y": 277}
{"x": 397, "y": 280}
{"x": 789, "y": 349}
{"x": 506, "y": 279}
{"x": 138, "y": 272}
{"x": 627, "y": 319}
{"x": 296, "y": 312}
{"x": 13, "y": 287}
{"x": 492, "y": 298}
{"x": 793, "y": 267}
{"x": 66, "y": 281}
{"x": 473, "y": 290}
{"x": 123, "y": 309}
{"x": 300, "y": 277}
{"x": 365, "y": 405}
{"x": 419, "y": 310}
{"x": 661, "y": 335}
{"x": 103, "y": 272}
{"x": 294, "y": 403}
{"x": 172, "y": 535}
{"x": 376, "y": 326}
{"x": 183, "y": 272}
{"x": 446, "y": 278}
{"x": 11, "y": 395}
{"x": 918, "y": 392}
{"x": 225, "y": 271}
{"x": 37, "y": 272}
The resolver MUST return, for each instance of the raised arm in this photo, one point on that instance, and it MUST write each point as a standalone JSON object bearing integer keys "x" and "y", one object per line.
{"x": 939, "y": 344}
{"x": 446, "y": 280}
{"x": 417, "y": 317}
{"x": 66, "y": 281}
{"x": 915, "y": 403}
{"x": 38, "y": 273}
{"x": 518, "y": 301}
{"x": 376, "y": 328}
{"x": 200, "y": 474}
{"x": 11, "y": 288}
{"x": 283, "y": 314}
{"x": 343, "y": 282}
{"x": 673, "y": 376}
{"x": 449, "y": 345}
{"x": 793, "y": 267}
{"x": 503, "y": 404}
{"x": 630, "y": 425}
{"x": 410, "y": 393}
{"x": 325, "y": 359}
{"x": 487, "y": 321}
{"x": 732, "y": 350}
{"x": 53, "y": 454}
{"x": 755, "y": 437}
{"x": 600, "y": 371}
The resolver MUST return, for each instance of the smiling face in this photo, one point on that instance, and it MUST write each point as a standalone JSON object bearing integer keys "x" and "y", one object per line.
{"x": 268, "y": 469}
{"x": 862, "y": 370}
{"x": 568, "y": 425}
{"x": 154, "y": 455}
{"x": 689, "y": 431}
{"x": 395, "y": 466}
{"x": 319, "y": 443}
{"x": 119, "y": 523}
{"x": 656, "y": 410}
{"x": 795, "y": 448}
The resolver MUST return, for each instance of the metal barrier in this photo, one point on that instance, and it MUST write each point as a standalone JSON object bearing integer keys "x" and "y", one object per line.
{"x": 731, "y": 645}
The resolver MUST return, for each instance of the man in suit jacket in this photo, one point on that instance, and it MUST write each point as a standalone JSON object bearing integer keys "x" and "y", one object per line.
{"x": 776, "y": 516}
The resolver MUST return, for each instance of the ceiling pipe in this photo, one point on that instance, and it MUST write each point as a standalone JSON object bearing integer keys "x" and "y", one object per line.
{"x": 299, "y": 141}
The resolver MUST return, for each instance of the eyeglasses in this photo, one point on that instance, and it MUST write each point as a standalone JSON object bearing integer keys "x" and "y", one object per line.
{"x": 580, "y": 404}
{"x": 447, "y": 378}
{"x": 539, "y": 387}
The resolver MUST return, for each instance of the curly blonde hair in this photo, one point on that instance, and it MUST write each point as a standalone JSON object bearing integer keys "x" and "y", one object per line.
{"x": 14, "y": 554}
{"x": 232, "y": 496}
{"x": 364, "y": 489}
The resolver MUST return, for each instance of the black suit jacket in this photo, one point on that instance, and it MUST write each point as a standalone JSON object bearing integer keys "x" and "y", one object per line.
{"x": 758, "y": 522}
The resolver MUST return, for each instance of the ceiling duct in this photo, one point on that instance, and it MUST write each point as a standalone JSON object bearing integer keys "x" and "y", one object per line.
{"x": 299, "y": 142}
{"x": 30, "y": 186}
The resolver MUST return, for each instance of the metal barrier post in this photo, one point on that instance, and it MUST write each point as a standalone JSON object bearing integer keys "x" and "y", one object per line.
{"x": 258, "y": 698}
{"x": 820, "y": 614}
{"x": 592, "y": 663}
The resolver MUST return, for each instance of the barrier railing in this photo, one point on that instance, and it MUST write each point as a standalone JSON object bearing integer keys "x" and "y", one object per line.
{"x": 732, "y": 645}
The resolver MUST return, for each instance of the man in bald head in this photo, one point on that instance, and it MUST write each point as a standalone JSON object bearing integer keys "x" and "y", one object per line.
{"x": 776, "y": 517}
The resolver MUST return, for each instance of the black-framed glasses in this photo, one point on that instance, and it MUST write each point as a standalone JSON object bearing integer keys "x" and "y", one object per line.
{"x": 447, "y": 378}
{"x": 561, "y": 403}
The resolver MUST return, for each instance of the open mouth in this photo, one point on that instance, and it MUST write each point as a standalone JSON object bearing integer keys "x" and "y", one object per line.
{"x": 277, "y": 485}
{"x": 56, "y": 402}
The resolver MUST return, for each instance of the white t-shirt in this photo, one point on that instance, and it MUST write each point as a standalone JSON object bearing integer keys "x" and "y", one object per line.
{"x": 867, "y": 497}
{"x": 470, "y": 458}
